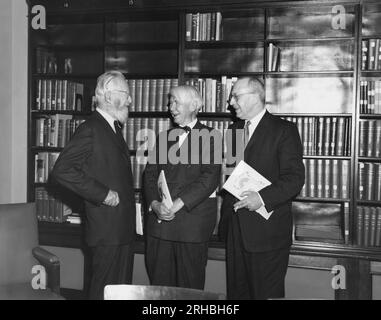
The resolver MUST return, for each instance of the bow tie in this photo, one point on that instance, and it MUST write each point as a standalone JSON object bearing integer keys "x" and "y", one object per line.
{"x": 186, "y": 129}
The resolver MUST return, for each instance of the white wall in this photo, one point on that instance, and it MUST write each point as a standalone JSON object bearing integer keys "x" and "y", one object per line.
{"x": 5, "y": 100}
{"x": 13, "y": 97}
{"x": 19, "y": 100}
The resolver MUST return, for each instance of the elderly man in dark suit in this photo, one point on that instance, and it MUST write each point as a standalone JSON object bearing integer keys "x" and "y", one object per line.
{"x": 258, "y": 249}
{"x": 177, "y": 237}
{"x": 96, "y": 165}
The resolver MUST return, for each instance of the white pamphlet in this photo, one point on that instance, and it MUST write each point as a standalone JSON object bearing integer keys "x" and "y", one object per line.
{"x": 246, "y": 178}
{"x": 139, "y": 219}
{"x": 163, "y": 190}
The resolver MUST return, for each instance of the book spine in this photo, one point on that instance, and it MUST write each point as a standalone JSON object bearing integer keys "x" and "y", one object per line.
{"x": 360, "y": 226}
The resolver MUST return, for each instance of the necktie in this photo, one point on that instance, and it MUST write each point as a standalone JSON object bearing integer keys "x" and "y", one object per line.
{"x": 186, "y": 129}
{"x": 246, "y": 134}
{"x": 118, "y": 130}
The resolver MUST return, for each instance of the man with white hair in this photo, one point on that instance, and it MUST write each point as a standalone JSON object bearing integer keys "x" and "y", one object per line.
{"x": 177, "y": 237}
{"x": 96, "y": 165}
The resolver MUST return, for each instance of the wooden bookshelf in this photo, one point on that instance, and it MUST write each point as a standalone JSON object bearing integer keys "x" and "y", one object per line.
{"x": 316, "y": 74}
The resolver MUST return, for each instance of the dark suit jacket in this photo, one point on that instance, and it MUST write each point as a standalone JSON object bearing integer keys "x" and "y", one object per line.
{"x": 275, "y": 151}
{"x": 94, "y": 161}
{"x": 193, "y": 183}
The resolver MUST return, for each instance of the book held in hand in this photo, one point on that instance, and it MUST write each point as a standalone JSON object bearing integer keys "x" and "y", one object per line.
{"x": 246, "y": 178}
{"x": 163, "y": 190}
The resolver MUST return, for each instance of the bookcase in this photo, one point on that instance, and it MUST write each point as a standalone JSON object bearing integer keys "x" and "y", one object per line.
{"x": 321, "y": 66}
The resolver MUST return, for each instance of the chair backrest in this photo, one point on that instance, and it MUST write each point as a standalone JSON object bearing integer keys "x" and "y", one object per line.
{"x": 142, "y": 292}
{"x": 18, "y": 236}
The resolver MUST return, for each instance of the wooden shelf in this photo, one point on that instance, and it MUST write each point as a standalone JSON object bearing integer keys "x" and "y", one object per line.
{"x": 65, "y": 76}
{"x": 371, "y": 73}
{"x": 321, "y": 39}
{"x": 313, "y": 199}
{"x": 220, "y": 74}
{"x": 161, "y": 75}
{"x": 305, "y": 74}
{"x": 370, "y": 116}
{"x": 71, "y": 235}
{"x": 369, "y": 159}
{"x": 148, "y": 114}
{"x": 222, "y": 44}
{"x": 369, "y": 202}
{"x": 328, "y": 157}
{"x": 142, "y": 46}
{"x": 61, "y": 234}
{"x": 54, "y": 112}
{"x": 46, "y": 149}
{"x": 71, "y": 47}
{"x": 341, "y": 115}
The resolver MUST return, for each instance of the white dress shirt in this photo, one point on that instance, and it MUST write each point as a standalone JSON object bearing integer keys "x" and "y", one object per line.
{"x": 184, "y": 135}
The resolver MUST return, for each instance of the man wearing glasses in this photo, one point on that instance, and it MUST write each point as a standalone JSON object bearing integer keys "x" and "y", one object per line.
{"x": 95, "y": 164}
{"x": 258, "y": 249}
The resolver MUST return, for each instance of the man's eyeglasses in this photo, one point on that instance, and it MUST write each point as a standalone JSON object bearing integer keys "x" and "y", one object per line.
{"x": 123, "y": 91}
{"x": 237, "y": 95}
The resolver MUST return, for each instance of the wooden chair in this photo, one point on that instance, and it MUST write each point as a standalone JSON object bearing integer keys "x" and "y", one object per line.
{"x": 19, "y": 253}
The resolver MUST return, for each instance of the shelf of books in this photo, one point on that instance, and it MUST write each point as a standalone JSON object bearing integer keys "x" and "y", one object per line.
{"x": 367, "y": 223}
{"x": 321, "y": 71}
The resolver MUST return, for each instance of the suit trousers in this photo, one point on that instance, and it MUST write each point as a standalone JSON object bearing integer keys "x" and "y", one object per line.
{"x": 110, "y": 265}
{"x": 176, "y": 264}
{"x": 254, "y": 275}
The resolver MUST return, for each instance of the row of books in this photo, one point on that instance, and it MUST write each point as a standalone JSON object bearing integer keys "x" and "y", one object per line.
{"x": 134, "y": 131}
{"x": 43, "y": 165}
{"x": 203, "y": 26}
{"x": 370, "y": 138}
{"x": 52, "y": 94}
{"x": 371, "y": 54}
{"x": 150, "y": 94}
{"x": 50, "y": 207}
{"x": 368, "y": 226}
{"x": 326, "y": 178}
{"x": 369, "y": 181}
{"x": 215, "y": 93}
{"x": 273, "y": 58}
{"x": 55, "y": 131}
{"x": 324, "y": 136}
{"x": 370, "y": 96}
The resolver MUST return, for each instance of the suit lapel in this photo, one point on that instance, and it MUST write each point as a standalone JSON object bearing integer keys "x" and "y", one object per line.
{"x": 259, "y": 135}
{"x": 113, "y": 136}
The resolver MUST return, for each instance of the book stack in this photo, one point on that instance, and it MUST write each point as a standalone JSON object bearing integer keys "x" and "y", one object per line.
{"x": 55, "y": 131}
{"x": 50, "y": 207}
{"x": 62, "y": 95}
{"x": 215, "y": 92}
{"x": 370, "y": 96}
{"x": 370, "y": 138}
{"x": 369, "y": 181}
{"x": 324, "y": 136}
{"x": 368, "y": 226}
{"x": 203, "y": 26}
{"x": 150, "y": 94}
{"x": 371, "y": 54}
{"x": 326, "y": 178}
